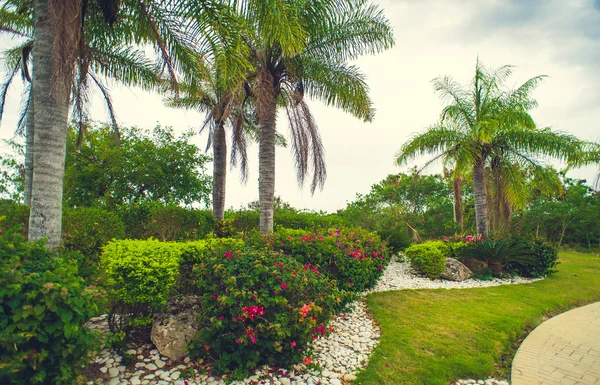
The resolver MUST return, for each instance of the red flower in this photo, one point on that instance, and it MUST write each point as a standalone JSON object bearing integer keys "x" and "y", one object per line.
{"x": 228, "y": 255}
{"x": 307, "y": 360}
{"x": 207, "y": 347}
{"x": 293, "y": 344}
{"x": 283, "y": 286}
{"x": 222, "y": 317}
{"x": 254, "y": 298}
{"x": 253, "y": 339}
{"x": 215, "y": 297}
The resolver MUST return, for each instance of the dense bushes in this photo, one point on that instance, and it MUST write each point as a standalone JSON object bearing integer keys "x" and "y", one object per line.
{"x": 43, "y": 306}
{"x": 260, "y": 307}
{"x": 87, "y": 229}
{"x": 428, "y": 258}
{"x": 354, "y": 257}
{"x": 165, "y": 222}
{"x": 14, "y": 214}
{"x": 543, "y": 261}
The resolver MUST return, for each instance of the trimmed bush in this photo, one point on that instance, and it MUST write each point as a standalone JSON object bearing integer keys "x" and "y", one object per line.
{"x": 43, "y": 306}
{"x": 87, "y": 229}
{"x": 428, "y": 258}
{"x": 355, "y": 258}
{"x": 260, "y": 307}
{"x": 139, "y": 278}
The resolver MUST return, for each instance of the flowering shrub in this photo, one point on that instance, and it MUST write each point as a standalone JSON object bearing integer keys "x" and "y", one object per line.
{"x": 260, "y": 307}
{"x": 428, "y": 258}
{"x": 355, "y": 258}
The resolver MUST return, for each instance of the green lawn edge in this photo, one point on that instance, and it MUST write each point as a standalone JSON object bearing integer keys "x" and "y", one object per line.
{"x": 438, "y": 336}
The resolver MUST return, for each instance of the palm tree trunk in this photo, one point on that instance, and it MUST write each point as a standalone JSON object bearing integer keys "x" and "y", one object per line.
{"x": 219, "y": 170}
{"x": 458, "y": 211}
{"x": 29, "y": 144}
{"x": 266, "y": 166}
{"x": 480, "y": 196}
{"x": 50, "y": 121}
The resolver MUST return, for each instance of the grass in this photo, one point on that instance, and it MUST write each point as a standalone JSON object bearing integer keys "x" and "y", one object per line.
{"x": 438, "y": 336}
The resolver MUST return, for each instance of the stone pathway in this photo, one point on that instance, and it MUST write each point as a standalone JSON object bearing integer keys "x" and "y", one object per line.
{"x": 564, "y": 350}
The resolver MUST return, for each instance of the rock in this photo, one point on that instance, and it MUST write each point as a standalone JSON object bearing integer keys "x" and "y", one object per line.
{"x": 151, "y": 367}
{"x": 113, "y": 372}
{"x": 104, "y": 369}
{"x": 475, "y": 265}
{"x": 285, "y": 381}
{"x": 135, "y": 381}
{"x": 160, "y": 363}
{"x": 456, "y": 271}
{"x": 349, "y": 377}
{"x": 114, "y": 381}
{"x": 171, "y": 333}
{"x": 175, "y": 375}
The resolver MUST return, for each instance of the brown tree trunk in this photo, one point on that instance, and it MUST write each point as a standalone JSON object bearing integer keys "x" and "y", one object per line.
{"x": 219, "y": 170}
{"x": 266, "y": 166}
{"x": 480, "y": 197}
{"x": 50, "y": 121}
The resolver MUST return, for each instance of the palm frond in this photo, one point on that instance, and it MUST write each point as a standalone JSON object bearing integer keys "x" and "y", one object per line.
{"x": 434, "y": 140}
{"x": 5, "y": 86}
{"x": 339, "y": 85}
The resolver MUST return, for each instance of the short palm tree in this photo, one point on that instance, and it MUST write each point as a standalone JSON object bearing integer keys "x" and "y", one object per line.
{"x": 306, "y": 53}
{"x": 485, "y": 130}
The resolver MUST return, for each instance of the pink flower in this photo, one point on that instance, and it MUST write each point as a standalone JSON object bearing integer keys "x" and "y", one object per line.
{"x": 293, "y": 344}
{"x": 228, "y": 255}
{"x": 222, "y": 317}
{"x": 254, "y": 298}
{"x": 215, "y": 297}
{"x": 253, "y": 339}
{"x": 283, "y": 286}
{"x": 207, "y": 347}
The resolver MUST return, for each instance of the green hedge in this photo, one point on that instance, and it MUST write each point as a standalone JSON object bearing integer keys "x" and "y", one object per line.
{"x": 165, "y": 222}
{"x": 87, "y": 229}
{"x": 428, "y": 258}
{"x": 43, "y": 306}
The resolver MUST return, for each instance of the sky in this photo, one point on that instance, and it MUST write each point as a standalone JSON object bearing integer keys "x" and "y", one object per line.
{"x": 434, "y": 38}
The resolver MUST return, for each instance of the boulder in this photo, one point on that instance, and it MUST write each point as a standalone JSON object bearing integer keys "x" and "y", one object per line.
{"x": 456, "y": 271}
{"x": 475, "y": 265}
{"x": 172, "y": 332}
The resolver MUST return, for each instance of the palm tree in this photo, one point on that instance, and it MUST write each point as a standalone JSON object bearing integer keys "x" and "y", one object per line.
{"x": 59, "y": 28}
{"x": 486, "y": 131}
{"x": 222, "y": 107}
{"x": 303, "y": 48}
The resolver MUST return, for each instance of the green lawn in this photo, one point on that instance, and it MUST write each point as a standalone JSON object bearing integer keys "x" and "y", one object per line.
{"x": 437, "y": 336}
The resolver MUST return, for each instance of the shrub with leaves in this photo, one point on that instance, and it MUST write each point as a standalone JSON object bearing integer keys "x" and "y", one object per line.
{"x": 43, "y": 306}
{"x": 428, "y": 258}
{"x": 87, "y": 229}
{"x": 543, "y": 262}
{"x": 260, "y": 307}
{"x": 139, "y": 278}
{"x": 355, "y": 258}
{"x": 499, "y": 252}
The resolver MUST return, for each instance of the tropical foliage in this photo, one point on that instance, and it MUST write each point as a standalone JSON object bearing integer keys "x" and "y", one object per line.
{"x": 487, "y": 134}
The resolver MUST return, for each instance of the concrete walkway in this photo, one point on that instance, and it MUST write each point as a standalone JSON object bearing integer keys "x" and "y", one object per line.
{"x": 564, "y": 350}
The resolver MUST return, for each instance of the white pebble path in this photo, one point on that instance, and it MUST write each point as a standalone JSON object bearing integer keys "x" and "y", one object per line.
{"x": 341, "y": 355}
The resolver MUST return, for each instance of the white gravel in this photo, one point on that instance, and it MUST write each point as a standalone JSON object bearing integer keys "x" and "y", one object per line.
{"x": 340, "y": 355}
{"x": 400, "y": 276}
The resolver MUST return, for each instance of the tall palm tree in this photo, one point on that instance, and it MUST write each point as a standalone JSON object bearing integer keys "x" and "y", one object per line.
{"x": 58, "y": 31}
{"x": 485, "y": 130}
{"x": 303, "y": 48}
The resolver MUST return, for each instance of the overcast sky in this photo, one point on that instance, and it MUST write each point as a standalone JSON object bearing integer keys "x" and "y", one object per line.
{"x": 557, "y": 38}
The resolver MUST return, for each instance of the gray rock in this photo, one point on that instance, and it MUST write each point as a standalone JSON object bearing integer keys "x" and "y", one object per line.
{"x": 114, "y": 381}
{"x": 456, "y": 271}
{"x": 171, "y": 333}
{"x": 475, "y": 265}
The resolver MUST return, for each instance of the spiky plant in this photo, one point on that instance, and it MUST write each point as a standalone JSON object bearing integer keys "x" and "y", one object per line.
{"x": 486, "y": 132}
{"x": 499, "y": 252}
